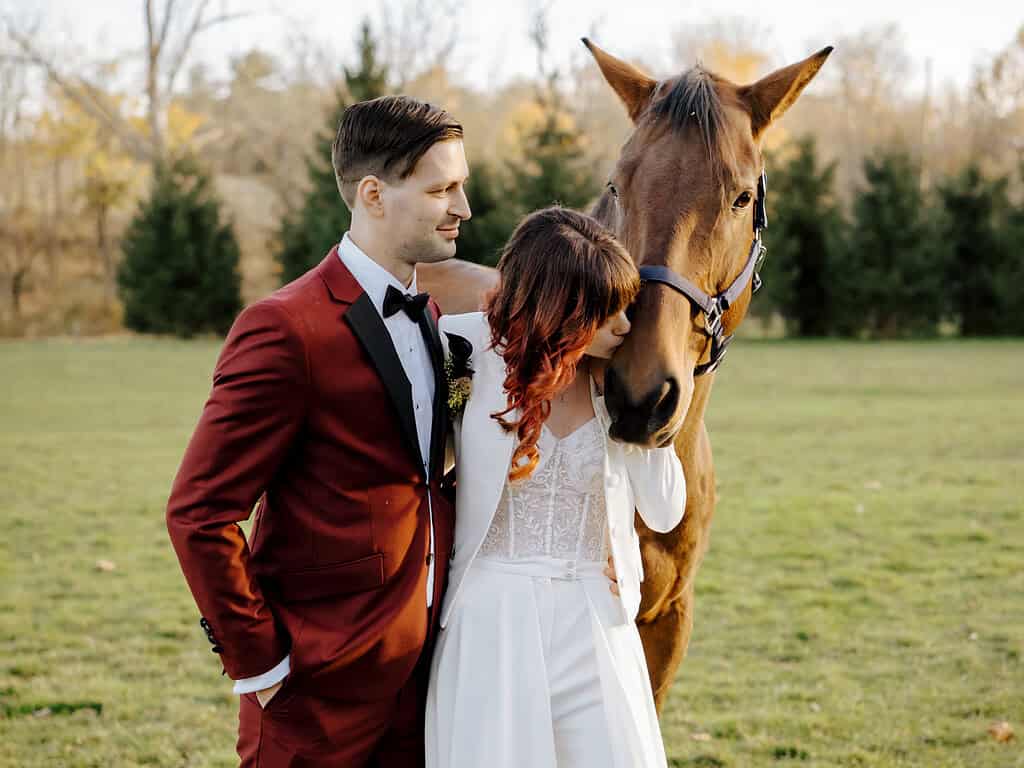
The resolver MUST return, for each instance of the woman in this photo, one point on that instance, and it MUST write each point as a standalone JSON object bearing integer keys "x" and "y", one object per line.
{"x": 539, "y": 663}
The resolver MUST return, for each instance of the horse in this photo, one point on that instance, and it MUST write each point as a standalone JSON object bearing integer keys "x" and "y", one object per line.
{"x": 686, "y": 198}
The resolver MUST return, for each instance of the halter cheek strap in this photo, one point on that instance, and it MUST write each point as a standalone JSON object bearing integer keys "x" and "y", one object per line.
{"x": 714, "y": 307}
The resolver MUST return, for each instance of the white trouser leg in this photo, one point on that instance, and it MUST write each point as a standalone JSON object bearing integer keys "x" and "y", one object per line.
{"x": 578, "y": 714}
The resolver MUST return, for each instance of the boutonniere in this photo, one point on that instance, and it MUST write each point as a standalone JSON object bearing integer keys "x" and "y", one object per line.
{"x": 458, "y": 373}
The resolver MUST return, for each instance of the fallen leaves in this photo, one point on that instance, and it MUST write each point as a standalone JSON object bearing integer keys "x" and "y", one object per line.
{"x": 1001, "y": 731}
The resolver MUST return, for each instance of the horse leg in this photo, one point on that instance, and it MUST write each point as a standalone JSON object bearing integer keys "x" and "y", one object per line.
{"x": 666, "y": 638}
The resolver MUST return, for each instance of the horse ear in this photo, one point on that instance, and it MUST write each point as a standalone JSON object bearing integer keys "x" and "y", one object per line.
{"x": 773, "y": 94}
{"x": 633, "y": 87}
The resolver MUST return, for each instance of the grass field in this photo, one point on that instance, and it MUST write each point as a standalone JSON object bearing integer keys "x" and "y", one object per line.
{"x": 862, "y": 603}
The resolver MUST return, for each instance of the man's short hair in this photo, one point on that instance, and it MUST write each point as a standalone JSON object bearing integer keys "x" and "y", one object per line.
{"x": 386, "y": 137}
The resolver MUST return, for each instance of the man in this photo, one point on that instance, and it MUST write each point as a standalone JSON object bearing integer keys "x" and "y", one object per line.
{"x": 328, "y": 413}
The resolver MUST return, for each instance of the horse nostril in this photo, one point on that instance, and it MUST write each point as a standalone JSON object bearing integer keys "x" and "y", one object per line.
{"x": 666, "y": 405}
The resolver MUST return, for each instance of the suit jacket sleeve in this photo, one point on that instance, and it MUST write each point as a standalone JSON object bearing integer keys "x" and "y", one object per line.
{"x": 659, "y": 485}
{"x": 256, "y": 407}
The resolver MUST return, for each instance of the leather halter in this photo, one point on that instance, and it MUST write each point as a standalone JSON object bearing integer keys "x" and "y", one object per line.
{"x": 714, "y": 307}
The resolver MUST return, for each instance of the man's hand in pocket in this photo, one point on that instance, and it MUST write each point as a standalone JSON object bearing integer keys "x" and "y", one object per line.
{"x": 264, "y": 696}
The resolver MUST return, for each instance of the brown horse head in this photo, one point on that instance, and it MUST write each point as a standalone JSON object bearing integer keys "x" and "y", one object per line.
{"x": 682, "y": 196}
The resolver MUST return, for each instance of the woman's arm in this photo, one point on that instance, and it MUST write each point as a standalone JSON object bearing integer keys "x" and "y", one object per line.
{"x": 656, "y": 474}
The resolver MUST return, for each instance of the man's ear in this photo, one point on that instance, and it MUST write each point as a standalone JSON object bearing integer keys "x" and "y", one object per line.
{"x": 369, "y": 195}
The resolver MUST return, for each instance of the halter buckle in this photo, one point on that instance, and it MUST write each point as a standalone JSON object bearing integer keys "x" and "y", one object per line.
{"x": 713, "y": 317}
{"x": 762, "y": 252}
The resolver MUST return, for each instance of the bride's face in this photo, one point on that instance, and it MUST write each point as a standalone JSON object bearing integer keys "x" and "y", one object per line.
{"x": 609, "y": 336}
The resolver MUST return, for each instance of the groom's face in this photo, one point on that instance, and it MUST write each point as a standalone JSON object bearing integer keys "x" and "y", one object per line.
{"x": 423, "y": 211}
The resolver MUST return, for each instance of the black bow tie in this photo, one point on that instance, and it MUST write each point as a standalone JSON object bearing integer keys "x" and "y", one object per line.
{"x": 413, "y": 306}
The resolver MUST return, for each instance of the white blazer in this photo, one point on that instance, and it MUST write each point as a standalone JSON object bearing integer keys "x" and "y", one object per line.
{"x": 648, "y": 480}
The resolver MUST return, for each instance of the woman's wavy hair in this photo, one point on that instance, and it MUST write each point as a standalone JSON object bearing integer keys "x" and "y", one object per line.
{"x": 562, "y": 275}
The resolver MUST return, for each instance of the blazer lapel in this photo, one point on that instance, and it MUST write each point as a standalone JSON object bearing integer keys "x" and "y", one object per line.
{"x": 486, "y": 449}
{"x": 439, "y": 424}
{"x": 368, "y": 326}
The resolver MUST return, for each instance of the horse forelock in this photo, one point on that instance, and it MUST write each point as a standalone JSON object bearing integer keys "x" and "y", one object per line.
{"x": 694, "y": 102}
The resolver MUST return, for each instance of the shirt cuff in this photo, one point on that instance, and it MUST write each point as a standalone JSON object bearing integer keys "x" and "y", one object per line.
{"x": 267, "y": 679}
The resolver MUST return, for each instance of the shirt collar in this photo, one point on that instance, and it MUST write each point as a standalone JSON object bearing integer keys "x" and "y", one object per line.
{"x": 370, "y": 275}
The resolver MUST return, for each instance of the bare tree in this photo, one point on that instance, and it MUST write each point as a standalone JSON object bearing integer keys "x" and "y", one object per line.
{"x": 733, "y": 46}
{"x": 418, "y": 36}
{"x": 18, "y": 245}
{"x": 997, "y": 107}
{"x": 866, "y": 83}
{"x": 170, "y": 33}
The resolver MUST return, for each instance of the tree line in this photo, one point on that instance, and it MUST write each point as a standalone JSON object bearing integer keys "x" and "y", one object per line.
{"x": 896, "y": 259}
{"x": 900, "y": 260}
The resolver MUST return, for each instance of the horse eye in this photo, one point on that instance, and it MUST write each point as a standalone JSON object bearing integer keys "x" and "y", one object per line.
{"x": 743, "y": 200}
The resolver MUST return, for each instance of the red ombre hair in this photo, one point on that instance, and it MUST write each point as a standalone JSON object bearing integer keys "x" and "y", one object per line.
{"x": 562, "y": 276}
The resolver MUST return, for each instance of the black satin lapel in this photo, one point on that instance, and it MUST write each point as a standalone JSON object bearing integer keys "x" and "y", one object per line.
{"x": 439, "y": 425}
{"x": 367, "y": 325}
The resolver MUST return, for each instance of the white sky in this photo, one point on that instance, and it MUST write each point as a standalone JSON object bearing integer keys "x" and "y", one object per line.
{"x": 493, "y": 45}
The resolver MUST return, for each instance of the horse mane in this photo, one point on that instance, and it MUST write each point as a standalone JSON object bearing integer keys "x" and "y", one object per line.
{"x": 694, "y": 101}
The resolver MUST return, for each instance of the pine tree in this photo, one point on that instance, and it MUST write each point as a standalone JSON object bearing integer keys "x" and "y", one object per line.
{"x": 307, "y": 234}
{"x": 977, "y": 225}
{"x": 1012, "y": 290}
{"x": 484, "y": 235}
{"x": 892, "y": 280}
{"x": 180, "y": 269}
{"x": 553, "y": 168}
{"x": 803, "y": 240}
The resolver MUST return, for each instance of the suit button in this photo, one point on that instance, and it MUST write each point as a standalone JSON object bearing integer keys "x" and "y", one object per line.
{"x": 430, "y": 558}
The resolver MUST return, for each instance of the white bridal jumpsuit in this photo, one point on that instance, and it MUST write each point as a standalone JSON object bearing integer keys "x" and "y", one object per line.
{"x": 536, "y": 667}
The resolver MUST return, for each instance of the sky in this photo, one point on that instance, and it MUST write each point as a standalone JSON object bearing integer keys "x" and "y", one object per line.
{"x": 493, "y": 44}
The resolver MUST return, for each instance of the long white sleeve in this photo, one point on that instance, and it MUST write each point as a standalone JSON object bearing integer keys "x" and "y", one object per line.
{"x": 659, "y": 485}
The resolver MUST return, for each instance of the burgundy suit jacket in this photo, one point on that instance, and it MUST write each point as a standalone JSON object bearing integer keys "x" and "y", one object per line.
{"x": 311, "y": 421}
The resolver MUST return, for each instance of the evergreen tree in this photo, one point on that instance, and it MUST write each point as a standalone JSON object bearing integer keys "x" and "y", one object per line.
{"x": 307, "y": 234}
{"x": 892, "y": 281}
{"x": 803, "y": 239}
{"x": 977, "y": 228}
{"x": 1012, "y": 290}
{"x": 553, "y": 168}
{"x": 180, "y": 269}
{"x": 484, "y": 235}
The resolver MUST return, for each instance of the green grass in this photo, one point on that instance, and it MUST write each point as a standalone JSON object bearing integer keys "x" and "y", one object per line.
{"x": 862, "y": 602}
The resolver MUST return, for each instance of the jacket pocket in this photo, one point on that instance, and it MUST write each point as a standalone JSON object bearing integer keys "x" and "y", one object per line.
{"x": 328, "y": 580}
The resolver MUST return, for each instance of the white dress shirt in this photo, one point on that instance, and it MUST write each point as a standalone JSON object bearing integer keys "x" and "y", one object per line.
{"x": 415, "y": 358}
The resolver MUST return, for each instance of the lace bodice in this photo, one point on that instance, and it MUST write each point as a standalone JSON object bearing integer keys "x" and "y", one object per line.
{"x": 559, "y": 511}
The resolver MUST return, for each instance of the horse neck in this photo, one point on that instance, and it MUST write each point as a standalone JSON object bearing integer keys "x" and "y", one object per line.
{"x": 698, "y": 404}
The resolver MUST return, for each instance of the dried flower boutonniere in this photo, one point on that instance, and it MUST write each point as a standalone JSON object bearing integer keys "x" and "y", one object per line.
{"x": 457, "y": 372}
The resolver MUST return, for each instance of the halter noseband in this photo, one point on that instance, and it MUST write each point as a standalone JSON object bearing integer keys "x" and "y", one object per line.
{"x": 714, "y": 307}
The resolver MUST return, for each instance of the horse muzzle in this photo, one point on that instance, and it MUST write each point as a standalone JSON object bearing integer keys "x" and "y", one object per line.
{"x": 650, "y": 420}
